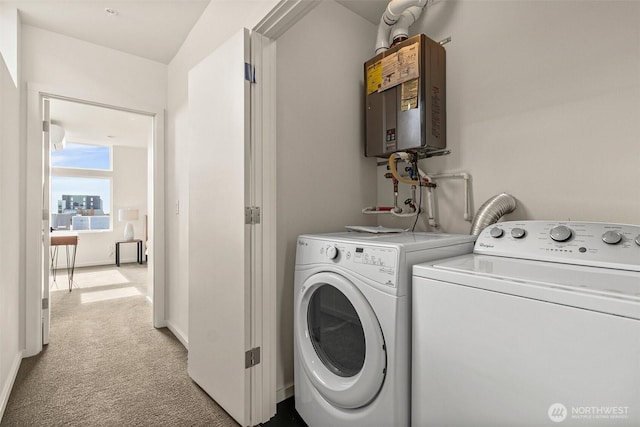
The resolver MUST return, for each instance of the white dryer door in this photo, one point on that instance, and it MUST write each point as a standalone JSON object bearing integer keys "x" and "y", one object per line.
{"x": 339, "y": 340}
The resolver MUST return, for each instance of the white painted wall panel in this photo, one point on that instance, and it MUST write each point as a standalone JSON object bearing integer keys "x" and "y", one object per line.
{"x": 91, "y": 71}
{"x": 219, "y": 21}
{"x": 544, "y": 103}
{"x": 323, "y": 179}
{"x": 10, "y": 215}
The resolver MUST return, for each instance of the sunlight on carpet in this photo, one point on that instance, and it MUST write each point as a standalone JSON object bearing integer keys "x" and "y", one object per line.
{"x": 88, "y": 279}
{"x": 109, "y": 294}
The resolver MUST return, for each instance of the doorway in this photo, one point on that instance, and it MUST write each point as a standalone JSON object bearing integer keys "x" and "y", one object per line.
{"x": 98, "y": 193}
{"x": 40, "y": 223}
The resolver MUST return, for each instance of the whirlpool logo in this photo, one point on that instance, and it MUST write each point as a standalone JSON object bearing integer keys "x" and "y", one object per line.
{"x": 557, "y": 412}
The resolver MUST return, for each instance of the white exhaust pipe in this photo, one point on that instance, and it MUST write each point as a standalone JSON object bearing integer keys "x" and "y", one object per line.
{"x": 390, "y": 17}
{"x": 408, "y": 17}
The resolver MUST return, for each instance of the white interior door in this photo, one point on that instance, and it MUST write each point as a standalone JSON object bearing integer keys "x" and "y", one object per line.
{"x": 219, "y": 239}
{"x": 46, "y": 259}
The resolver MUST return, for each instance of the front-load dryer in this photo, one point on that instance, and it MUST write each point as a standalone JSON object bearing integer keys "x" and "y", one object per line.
{"x": 352, "y": 320}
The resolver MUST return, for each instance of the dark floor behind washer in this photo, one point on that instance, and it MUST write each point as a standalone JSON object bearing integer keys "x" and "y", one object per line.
{"x": 286, "y": 415}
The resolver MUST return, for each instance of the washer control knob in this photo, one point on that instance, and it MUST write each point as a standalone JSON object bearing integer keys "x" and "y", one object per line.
{"x": 332, "y": 252}
{"x": 518, "y": 233}
{"x": 560, "y": 233}
{"x": 496, "y": 232}
{"x": 638, "y": 240}
{"x": 612, "y": 237}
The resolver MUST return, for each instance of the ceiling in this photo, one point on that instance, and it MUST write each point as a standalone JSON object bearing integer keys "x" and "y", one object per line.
{"x": 151, "y": 29}
{"x": 91, "y": 124}
{"x": 371, "y": 10}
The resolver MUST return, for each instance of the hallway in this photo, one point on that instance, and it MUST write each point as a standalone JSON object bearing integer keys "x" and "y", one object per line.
{"x": 106, "y": 365}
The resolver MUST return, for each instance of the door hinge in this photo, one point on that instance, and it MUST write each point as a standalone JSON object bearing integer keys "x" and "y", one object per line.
{"x": 252, "y": 357}
{"x": 252, "y": 215}
{"x": 249, "y": 73}
{"x": 45, "y": 303}
{"x": 45, "y": 126}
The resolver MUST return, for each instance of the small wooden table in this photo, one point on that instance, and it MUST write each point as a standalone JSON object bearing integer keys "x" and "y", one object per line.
{"x": 62, "y": 238}
{"x": 138, "y": 241}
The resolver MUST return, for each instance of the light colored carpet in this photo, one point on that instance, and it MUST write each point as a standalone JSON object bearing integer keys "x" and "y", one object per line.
{"x": 106, "y": 365}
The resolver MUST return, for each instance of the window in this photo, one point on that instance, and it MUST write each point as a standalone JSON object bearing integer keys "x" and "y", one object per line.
{"x": 81, "y": 177}
{"x": 82, "y": 156}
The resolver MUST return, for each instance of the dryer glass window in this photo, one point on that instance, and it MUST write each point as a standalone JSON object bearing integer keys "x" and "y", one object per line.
{"x": 336, "y": 331}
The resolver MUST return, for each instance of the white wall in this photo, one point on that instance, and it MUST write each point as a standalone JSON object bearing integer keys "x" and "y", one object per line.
{"x": 544, "y": 103}
{"x": 129, "y": 190}
{"x": 12, "y": 245}
{"x": 66, "y": 66}
{"x": 92, "y": 72}
{"x": 219, "y": 21}
{"x": 323, "y": 178}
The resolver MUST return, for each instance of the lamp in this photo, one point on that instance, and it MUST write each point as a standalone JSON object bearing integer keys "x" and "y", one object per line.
{"x": 128, "y": 214}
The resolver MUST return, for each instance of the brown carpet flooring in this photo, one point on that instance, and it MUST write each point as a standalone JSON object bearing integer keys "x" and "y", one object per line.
{"x": 106, "y": 365}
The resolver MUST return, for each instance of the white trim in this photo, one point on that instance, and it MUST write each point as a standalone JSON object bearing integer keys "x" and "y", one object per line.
{"x": 269, "y": 200}
{"x": 8, "y": 385}
{"x": 33, "y": 238}
{"x": 269, "y": 230}
{"x": 62, "y": 267}
{"x": 263, "y": 141}
{"x": 285, "y": 393}
{"x": 283, "y": 16}
{"x": 155, "y": 200}
{"x": 178, "y": 334}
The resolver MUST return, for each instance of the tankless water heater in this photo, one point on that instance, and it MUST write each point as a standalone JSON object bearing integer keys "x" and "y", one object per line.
{"x": 405, "y": 98}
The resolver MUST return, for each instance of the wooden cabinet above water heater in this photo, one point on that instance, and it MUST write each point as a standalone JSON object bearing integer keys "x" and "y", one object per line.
{"x": 405, "y": 98}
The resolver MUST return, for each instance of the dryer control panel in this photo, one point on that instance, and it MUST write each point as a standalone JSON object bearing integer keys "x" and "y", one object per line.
{"x": 377, "y": 263}
{"x": 581, "y": 243}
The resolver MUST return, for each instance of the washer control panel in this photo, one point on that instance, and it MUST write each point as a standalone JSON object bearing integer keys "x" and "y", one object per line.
{"x": 378, "y": 263}
{"x": 582, "y": 243}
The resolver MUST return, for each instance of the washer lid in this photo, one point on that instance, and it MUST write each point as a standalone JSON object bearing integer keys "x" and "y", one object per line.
{"x": 605, "y": 290}
{"x": 407, "y": 240}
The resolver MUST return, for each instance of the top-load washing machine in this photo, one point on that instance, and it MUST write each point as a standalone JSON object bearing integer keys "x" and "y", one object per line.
{"x": 352, "y": 324}
{"x": 540, "y": 325}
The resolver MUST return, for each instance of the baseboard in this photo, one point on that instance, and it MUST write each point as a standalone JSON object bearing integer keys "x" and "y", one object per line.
{"x": 285, "y": 393}
{"x": 63, "y": 267}
{"x": 8, "y": 385}
{"x": 178, "y": 334}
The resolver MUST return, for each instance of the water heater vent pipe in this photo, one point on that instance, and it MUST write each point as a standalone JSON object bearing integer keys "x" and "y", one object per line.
{"x": 400, "y": 31}
{"x": 395, "y": 9}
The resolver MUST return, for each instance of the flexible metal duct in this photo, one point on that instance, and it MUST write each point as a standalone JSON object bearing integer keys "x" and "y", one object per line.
{"x": 491, "y": 211}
